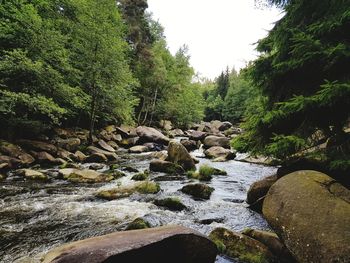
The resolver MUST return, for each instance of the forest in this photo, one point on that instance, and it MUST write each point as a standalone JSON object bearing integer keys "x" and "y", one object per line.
{"x": 87, "y": 85}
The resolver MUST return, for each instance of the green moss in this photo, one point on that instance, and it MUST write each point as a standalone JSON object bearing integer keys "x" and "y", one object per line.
{"x": 116, "y": 174}
{"x": 253, "y": 258}
{"x": 206, "y": 170}
{"x": 148, "y": 188}
{"x": 173, "y": 203}
{"x": 113, "y": 166}
{"x": 139, "y": 177}
{"x": 198, "y": 190}
{"x": 138, "y": 223}
{"x": 220, "y": 246}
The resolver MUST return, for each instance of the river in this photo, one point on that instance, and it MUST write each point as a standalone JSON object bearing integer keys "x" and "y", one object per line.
{"x": 37, "y": 216}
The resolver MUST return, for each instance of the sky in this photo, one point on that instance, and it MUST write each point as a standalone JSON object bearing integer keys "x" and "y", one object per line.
{"x": 219, "y": 33}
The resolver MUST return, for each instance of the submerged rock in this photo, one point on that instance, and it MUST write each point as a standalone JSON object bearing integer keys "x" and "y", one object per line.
{"x": 178, "y": 154}
{"x": 202, "y": 191}
{"x": 310, "y": 211}
{"x": 157, "y": 245}
{"x": 239, "y": 246}
{"x": 84, "y": 176}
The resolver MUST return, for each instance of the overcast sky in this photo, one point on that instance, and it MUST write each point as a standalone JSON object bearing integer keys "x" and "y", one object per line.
{"x": 218, "y": 33}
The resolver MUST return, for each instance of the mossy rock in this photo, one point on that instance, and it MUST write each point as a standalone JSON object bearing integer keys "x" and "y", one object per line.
{"x": 148, "y": 187}
{"x": 84, "y": 176}
{"x": 116, "y": 193}
{"x": 202, "y": 191}
{"x": 208, "y": 170}
{"x": 138, "y": 223}
{"x": 130, "y": 169}
{"x": 116, "y": 174}
{"x": 172, "y": 203}
{"x": 2, "y": 177}
{"x": 140, "y": 177}
{"x": 198, "y": 176}
{"x": 242, "y": 247}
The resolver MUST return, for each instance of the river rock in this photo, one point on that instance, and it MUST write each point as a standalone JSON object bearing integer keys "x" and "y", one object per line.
{"x": 166, "y": 125}
{"x": 113, "y": 144}
{"x": 111, "y": 156}
{"x": 172, "y": 203}
{"x": 105, "y": 146}
{"x": 70, "y": 144}
{"x": 211, "y": 141}
{"x": 225, "y": 126}
{"x": 157, "y": 245}
{"x": 46, "y": 158}
{"x": 110, "y": 128}
{"x": 196, "y": 135}
{"x": 178, "y": 154}
{"x": 176, "y": 132}
{"x": 38, "y": 146}
{"x": 219, "y": 153}
{"x": 32, "y": 174}
{"x": 129, "y": 142}
{"x": 8, "y": 162}
{"x": 96, "y": 158}
{"x": 79, "y": 156}
{"x": 202, "y": 191}
{"x": 165, "y": 167}
{"x": 310, "y": 211}
{"x": 239, "y": 246}
{"x": 138, "y": 149}
{"x": 65, "y": 155}
{"x": 260, "y": 188}
{"x": 138, "y": 223}
{"x": 272, "y": 241}
{"x": 16, "y": 152}
{"x": 149, "y": 134}
{"x": 84, "y": 176}
{"x": 190, "y": 145}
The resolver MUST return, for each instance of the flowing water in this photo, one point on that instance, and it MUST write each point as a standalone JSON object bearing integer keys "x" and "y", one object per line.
{"x": 37, "y": 216}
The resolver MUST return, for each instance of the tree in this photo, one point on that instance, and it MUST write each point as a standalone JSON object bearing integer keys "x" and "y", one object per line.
{"x": 100, "y": 55}
{"x": 303, "y": 73}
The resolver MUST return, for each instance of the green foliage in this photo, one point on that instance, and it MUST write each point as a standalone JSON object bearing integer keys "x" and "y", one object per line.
{"x": 140, "y": 177}
{"x": 301, "y": 75}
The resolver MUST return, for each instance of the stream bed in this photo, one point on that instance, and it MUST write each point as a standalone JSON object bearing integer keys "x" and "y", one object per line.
{"x": 37, "y": 216}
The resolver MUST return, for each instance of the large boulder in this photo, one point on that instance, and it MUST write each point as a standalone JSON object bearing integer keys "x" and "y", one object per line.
{"x": 219, "y": 153}
{"x": 84, "y": 176}
{"x": 212, "y": 140}
{"x": 15, "y": 151}
{"x": 157, "y": 245}
{"x": 149, "y": 134}
{"x": 165, "y": 167}
{"x": 39, "y": 146}
{"x": 46, "y": 158}
{"x": 240, "y": 246}
{"x": 8, "y": 162}
{"x": 111, "y": 156}
{"x": 310, "y": 211}
{"x": 176, "y": 132}
{"x": 178, "y": 154}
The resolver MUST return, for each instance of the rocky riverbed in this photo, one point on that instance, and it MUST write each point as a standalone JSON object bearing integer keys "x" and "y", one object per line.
{"x": 37, "y": 216}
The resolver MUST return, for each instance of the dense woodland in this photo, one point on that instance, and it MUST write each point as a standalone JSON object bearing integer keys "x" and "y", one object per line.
{"x": 87, "y": 63}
